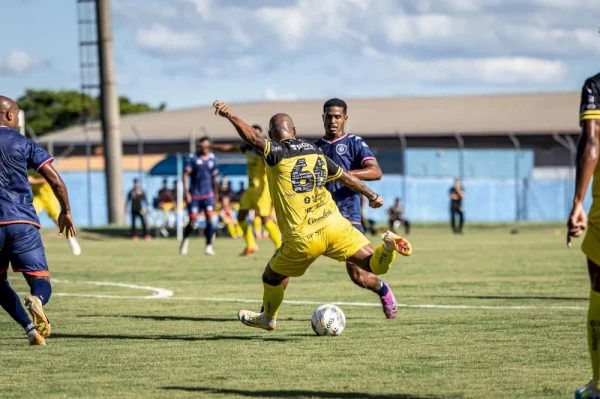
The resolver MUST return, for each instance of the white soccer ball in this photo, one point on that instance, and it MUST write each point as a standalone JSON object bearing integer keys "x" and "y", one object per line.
{"x": 328, "y": 320}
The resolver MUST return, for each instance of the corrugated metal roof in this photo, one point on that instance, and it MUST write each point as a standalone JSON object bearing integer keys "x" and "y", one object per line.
{"x": 539, "y": 113}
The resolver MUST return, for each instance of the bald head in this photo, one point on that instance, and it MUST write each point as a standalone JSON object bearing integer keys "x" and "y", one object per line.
{"x": 281, "y": 126}
{"x": 9, "y": 113}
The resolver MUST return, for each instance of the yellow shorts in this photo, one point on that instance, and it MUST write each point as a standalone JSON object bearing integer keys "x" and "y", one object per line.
{"x": 47, "y": 202}
{"x": 257, "y": 198}
{"x": 339, "y": 240}
{"x": 591, "y": 242}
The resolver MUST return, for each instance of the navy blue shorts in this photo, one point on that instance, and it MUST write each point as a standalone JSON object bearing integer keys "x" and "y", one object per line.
{"x": 204, "y": 205}
{"x": 21, "y": 246}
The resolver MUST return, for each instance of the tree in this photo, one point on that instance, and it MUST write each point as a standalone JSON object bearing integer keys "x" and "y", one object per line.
{"x": 47, "y": 111}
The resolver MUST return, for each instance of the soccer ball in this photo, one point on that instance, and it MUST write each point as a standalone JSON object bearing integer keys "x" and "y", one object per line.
{"x": 328, "y": 320}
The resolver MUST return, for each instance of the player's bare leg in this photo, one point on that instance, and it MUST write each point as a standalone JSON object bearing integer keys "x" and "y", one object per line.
{"x": 40, "y": 294}
{"x": 273, "y": 285}
{"x": 370, "y": 281}
{"x": 251, "y": 246}
{"x": 185, "y": 243}
{"x": 592, "y": 389}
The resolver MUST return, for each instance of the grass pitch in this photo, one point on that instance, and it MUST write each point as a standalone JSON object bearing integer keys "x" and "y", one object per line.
{"x": 487, "y": 315}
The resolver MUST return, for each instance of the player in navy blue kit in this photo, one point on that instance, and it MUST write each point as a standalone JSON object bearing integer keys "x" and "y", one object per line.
{"x": 201, "y": 193}
{"x": 351, "y": 153}
{"x": 20, "y": 241}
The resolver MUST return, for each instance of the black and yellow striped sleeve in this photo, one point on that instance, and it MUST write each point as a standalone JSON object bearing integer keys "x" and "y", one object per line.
{"x": 334, "y": 172}
{"x": 589, "y": 107}
{"x": 267, "y": 149}
{"x": 273, "y": 152}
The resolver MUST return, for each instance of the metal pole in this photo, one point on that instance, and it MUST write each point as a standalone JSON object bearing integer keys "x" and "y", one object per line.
{"x": 111, "y": 134}
{"x": 140, "y": 148}
{"x": 517, "y": 145}
{"x": 88, "y": 155}
{"x": 179, "y": 201}
{"x": 461, "y": 148}
{"x": 402, "y": 139}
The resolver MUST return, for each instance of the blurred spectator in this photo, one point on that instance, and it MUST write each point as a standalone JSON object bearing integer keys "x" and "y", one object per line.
{"x": 225, "y": 189}
{"x": 166, "y": 203}
{"x": 457, "y": 193}
{"x": 228, "y": 218}
{"x": 396, "y": 217}
{"x": 238, "y": 195}
{"x": 139, "y": 206}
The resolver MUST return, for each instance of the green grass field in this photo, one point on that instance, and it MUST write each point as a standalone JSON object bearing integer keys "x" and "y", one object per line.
{"x": 484, "y": 315}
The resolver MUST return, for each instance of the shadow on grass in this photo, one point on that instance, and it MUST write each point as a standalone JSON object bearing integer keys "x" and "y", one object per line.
{"x": 300, "y": 393}
{"x": 168, "y": 337}
{"x": 513, "y": 298}
{"x": 181, "y": 318}
{"x": 164, "y": 318}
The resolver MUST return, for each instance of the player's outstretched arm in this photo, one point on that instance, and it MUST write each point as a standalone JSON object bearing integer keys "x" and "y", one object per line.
{"x": 65, "y": 221}
{"x": 246, "y": 132}
{"x": 226, "y": 147}
{"x": 354, "y": 184}
{"x": 370, "y": 171}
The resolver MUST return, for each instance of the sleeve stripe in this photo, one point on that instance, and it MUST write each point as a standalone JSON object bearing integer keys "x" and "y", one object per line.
{"x": 47, "y": 161}
{"x": 367, "y": 159}
{"x": 267, "y": 149}
{"x": 336, "y": 176}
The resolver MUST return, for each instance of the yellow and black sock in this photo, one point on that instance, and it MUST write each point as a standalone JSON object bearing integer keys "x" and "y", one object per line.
{"x": 381, "y": 260}
{"x": 593, "y": 327}
{"x": 272, "y": 299}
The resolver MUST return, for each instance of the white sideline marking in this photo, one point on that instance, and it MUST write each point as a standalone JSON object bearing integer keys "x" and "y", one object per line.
{"x": 163, "y": 293}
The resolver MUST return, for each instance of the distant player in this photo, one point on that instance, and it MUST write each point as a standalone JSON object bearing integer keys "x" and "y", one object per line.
{"x": 20, "y": 240}
{"x": 201, "y": 192}
{"x": 353, "y": 155}
{"x": 587, "y": 166}
{"x": 309, "y": 219}
{"x": 44, "y": 200}
{"x": 257, "y": 195}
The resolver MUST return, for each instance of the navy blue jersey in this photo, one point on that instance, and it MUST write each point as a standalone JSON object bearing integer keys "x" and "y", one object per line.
{"x": 202, "y": 169}
{"x": 17, "y": 154}
{"x": 349, "y": 152}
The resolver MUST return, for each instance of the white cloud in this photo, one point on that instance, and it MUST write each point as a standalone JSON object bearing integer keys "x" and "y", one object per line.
{"x": 496, "y": 42}
{"x": 19, "y": 62}
{"x": 163, "y": 39}
{"x": 271, "y": 95}
{"x": 494, "y": 71}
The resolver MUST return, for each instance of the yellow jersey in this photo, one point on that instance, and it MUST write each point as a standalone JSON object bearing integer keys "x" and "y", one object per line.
{"x": 38, "y": 189}
{"x": 297, "y": 172}
{"x": 257, "y": 173}
{"x": 589, "y": 108}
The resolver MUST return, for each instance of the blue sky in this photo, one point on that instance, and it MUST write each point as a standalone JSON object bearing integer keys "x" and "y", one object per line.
{"x": 190, "y": 52}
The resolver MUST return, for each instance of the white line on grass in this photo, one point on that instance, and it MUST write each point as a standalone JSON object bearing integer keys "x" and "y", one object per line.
{"x": 163, "y": 293}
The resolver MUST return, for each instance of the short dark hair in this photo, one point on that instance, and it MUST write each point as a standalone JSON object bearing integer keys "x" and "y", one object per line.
{"x": 257, "y": 127}
{"x": 335, "y": 102}
{"x": 135, "y": 181}
{"x": 201, "y": 139}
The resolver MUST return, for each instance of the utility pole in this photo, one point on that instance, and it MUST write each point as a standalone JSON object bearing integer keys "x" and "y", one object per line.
{"x": 110, "y": 114}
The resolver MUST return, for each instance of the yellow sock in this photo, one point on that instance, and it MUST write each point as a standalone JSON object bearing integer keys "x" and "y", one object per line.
{"x": 273, "y": 231}
{"x": 381, "y": 260}
{"x": 248, "y": 236}
{"x": 238, "y": 230}
{"x": 257, "y": 227}
{"x": 272, "y": 299}
{"x": 593, "y": 327}
{"x": 231, "y": 230}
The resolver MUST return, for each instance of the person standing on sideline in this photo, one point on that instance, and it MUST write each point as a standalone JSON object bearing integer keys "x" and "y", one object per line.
{"x": 139, "y": 205}
{"x": 457, "y": 193}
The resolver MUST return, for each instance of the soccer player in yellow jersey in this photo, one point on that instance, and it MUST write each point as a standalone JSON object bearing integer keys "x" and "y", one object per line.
{"x": 587, "y": 166}
{"x": 257, "y": 195}
{"x": 309, "y": 219}
{"x": 44, "y": 199}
